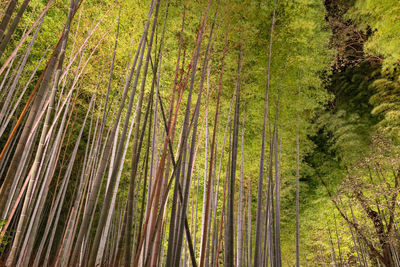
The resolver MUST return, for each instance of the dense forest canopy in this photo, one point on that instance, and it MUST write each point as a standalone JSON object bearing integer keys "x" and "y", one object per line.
{"x": 200, "y": 133}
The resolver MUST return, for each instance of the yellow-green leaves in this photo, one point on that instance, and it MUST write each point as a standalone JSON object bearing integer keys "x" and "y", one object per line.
{"x": 382, "y": 17}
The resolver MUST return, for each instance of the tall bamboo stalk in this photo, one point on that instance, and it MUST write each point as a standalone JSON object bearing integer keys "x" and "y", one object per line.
{"x": 239, "y": 250}
{"x": 257, "y": 248}
{"x": 206, "y": 212}
{"x": 231, "y": 188}
{"x": 297, "y": 190}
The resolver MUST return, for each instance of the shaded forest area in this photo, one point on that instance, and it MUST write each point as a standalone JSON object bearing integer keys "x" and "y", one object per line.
{"x": 200, "y": 133}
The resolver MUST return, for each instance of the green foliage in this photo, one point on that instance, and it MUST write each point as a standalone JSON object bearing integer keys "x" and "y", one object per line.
{"x": 382, "y": 17}
{"x": 386, "y": 101}
{"x": 6, "y": 239}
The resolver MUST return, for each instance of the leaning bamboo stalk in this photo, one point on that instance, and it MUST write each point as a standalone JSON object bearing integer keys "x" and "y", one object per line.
{"x": 5, "y": 77}
{"x": 153, "y": 163}
{"x": 144, "y": 186}
{"x": 18, "y": 74}
{"x": 21, "y": 193}
{"x": 106, "y": 230}
{"x": 7, "y": 81}
{"x": 8, "y": 155}
{"x": 172, "y": 102}
{"x": 78, "y": 203}
{"x": 6, "y": 39}
{"x": 14, "y": 52}
{"x": 23, "y": 171}
{"x": 10, "y": 114}
{"x": 30, "y": 99}
{"x": 68, "y": 226}
{"x": 7, "y": 16}
{"x": 83, "y": 45}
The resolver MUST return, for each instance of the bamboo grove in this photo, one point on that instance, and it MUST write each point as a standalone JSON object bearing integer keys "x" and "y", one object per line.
{"x": 199, "y": 133}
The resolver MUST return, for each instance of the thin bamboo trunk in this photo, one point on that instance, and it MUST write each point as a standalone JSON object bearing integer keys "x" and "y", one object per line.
{"x": 215, "y": 228}
{"x": 230, "y": 255}
{"x": 239, "y": 251}
{"x": 206, "y": 212}
{"x": 297, "y": 190}
{"x": 18, "y": 75}
{"x": 224, "y": 216}
{"x": 6, "y": 17}
{"x": 249, "y": 221}
{"x": 277, "y": 231}
{"x": 6, "y": 39}
{"x": 25, "y": 36}
{"x": 258, "y": 242}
